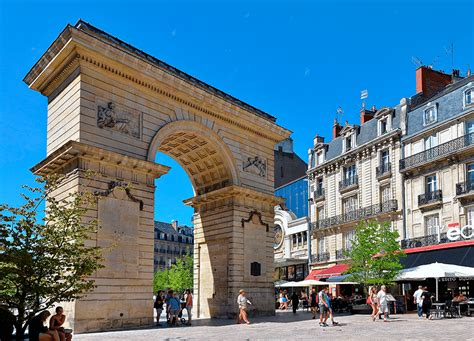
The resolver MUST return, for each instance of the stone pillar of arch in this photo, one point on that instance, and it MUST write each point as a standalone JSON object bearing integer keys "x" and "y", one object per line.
{"x": 111, "y": 108}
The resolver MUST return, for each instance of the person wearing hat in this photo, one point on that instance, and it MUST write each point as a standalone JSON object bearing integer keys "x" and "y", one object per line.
{"x": 243, "y": 303}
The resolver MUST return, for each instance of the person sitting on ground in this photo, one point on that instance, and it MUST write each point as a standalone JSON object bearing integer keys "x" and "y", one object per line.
{"x": 174, "y": 309}
{"x": 56, "y": 323}
{"x": 37, "y": 331}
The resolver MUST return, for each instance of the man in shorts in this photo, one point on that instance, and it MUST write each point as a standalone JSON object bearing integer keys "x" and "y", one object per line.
{"x": 383, "y": 302}
{"x": 323, "y": 307}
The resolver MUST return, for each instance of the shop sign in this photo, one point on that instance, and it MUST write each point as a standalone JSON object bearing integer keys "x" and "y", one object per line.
{"x": 457, "y": 233}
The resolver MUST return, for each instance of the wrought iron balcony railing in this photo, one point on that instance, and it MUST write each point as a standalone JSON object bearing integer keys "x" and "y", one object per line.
{"x": 318, "y": 194}
{"x": 428, "y": 240}
{"x": 430, "y": 197}
{"x": 464, "y": 187}
{"x": 341, "y": 254}
{"x": 362, "y": 213}
{"x": 348, "y": 182}
{"x": 322, "y": 257}
{"x": 383, "y": 169}
{"x": 438, "y": 151}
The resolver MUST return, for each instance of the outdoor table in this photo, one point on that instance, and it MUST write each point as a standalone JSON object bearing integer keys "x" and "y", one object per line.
{"x": 439, "y": 309}
{"x": 469, "y": 308}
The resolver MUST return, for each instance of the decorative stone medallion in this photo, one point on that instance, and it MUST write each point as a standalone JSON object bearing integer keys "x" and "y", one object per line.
{"x": 278, "y": 236}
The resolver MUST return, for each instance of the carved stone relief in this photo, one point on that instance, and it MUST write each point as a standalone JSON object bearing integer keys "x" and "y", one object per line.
{"x": 109, "y": 117}
{"x": 255, "y": 165}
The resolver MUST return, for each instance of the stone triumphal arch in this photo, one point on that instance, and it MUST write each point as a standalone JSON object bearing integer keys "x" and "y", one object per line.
{"x": 111, "y": 108}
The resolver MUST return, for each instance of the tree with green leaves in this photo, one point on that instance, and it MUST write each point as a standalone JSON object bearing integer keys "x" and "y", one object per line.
{"x": 374, "y": 257}
{"x": 179, "y": 277}
{"x": 44, "y": 261}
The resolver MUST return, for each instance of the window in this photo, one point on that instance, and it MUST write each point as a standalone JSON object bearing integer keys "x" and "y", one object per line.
{"x": 348, "y": 238}
{"x": 385, "y": 161}
{"x": 300, "y": 239}
{"x": 319, "y": 186}
{"x": 320, "y": 213}
{"x": 350, "y": 172}
{"x": 470, "y": 216}
{"x": 429, "y": 115}
{"x": 349, "y": 204}
{"x": 348, "y": 143}
{"x": 305, "y": 237}
{"x": 320, "y": 157}
{"x": 431, "y": 141}
{"x": 469, "y": 97}
{"x": 383, "y": 126}
{"x": 432, "y": 224}
{"x": 294, "y": 240}
{"x": 384, "y": 194}
{"x": 470, "y": 174}
{"x": 470, "y": 127}
{"x": 321, "y": 245}
{"x": 431, "y": 184}
{"x": 313, "y": 160}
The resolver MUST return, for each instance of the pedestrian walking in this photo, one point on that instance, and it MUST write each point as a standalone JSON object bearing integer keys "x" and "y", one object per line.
{"x": 383, "y": 302}
{"x": 427, "y": 298}
{"x": 313, "y": 302}
{"x": 158, "y": 305}
{"x": 189, "y": 305}
{"x": 243, "y": 303}
{"x": 418, "y": 301}
{"x": 372, "y": 301}
{"x": 295, "y": 300}
{"x": 330, "y": 311}
{"x": 323, "y": 307}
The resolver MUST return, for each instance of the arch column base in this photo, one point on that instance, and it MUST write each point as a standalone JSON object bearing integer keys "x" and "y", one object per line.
{"x": 233, "y": 250}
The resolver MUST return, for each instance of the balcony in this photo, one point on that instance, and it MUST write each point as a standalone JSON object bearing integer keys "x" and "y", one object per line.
{"x": 321, "y": 257}
{"x": 424, "y": 241}
{"x": 362, "y": 213}
{"x": 451, "y": 147}
{"x": 383, "y": 171}
{"x": 430, "y": 200}
{"x": 341, "y": 254}
{"x": 349, "y": 183}
{"x": 465, "y": 191}
{"x": 318, "y": 194}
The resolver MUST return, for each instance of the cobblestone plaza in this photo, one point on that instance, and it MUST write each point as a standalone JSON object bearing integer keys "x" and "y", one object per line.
{"x": 286, "y": 326}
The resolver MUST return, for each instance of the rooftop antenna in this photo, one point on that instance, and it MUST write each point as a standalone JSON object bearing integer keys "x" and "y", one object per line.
{"x": 417, "y": 61}
{"x": 363, "y": 95}
{"x": 450, "y": 51}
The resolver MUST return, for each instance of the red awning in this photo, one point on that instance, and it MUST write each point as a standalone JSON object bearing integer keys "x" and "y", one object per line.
{"x": 335, "y": 270}
{"x": 440, "y": 246}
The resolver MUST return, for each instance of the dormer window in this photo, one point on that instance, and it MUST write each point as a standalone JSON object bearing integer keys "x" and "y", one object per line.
{"x": 319, "y": 157}
{"x": 383, "y": 126}
{"x": 469, "y": 97}
{"x": 430, "y": 115}
{"x": 348, "y": 143}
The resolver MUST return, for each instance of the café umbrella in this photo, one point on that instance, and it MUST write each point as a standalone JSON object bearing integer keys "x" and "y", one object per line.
{"x": 436, "y": 271}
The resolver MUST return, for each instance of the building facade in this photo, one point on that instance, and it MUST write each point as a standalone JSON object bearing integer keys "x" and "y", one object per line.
{"x": 438, "y": 158}
{"x": 172, "y": 242}
{"x": 291, "y": 218}
{"x": 354, "y": 177}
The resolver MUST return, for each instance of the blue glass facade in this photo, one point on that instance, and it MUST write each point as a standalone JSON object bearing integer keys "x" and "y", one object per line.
{"x": 296, "y": 196}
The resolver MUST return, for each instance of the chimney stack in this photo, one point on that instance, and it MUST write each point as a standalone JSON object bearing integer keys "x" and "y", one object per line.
{"x": 336, "y": 129}
{"x": 367, "y": 115}
{"x": 318, "y": 139}
{"x": 174, "y": 223}
{"x": 430, "y": 82}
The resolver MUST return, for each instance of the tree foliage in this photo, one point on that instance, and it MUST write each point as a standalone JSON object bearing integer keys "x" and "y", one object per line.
{"x": 45, "y": 261}
{"x": 179, "y": 277}
{"x": 374, "y": 257}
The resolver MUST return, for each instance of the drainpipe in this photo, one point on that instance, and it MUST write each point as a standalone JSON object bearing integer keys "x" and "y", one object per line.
{"x": 404, "y": 209}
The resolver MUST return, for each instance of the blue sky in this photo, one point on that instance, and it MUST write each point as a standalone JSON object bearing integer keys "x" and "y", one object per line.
{"x": 297, "y": 60}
